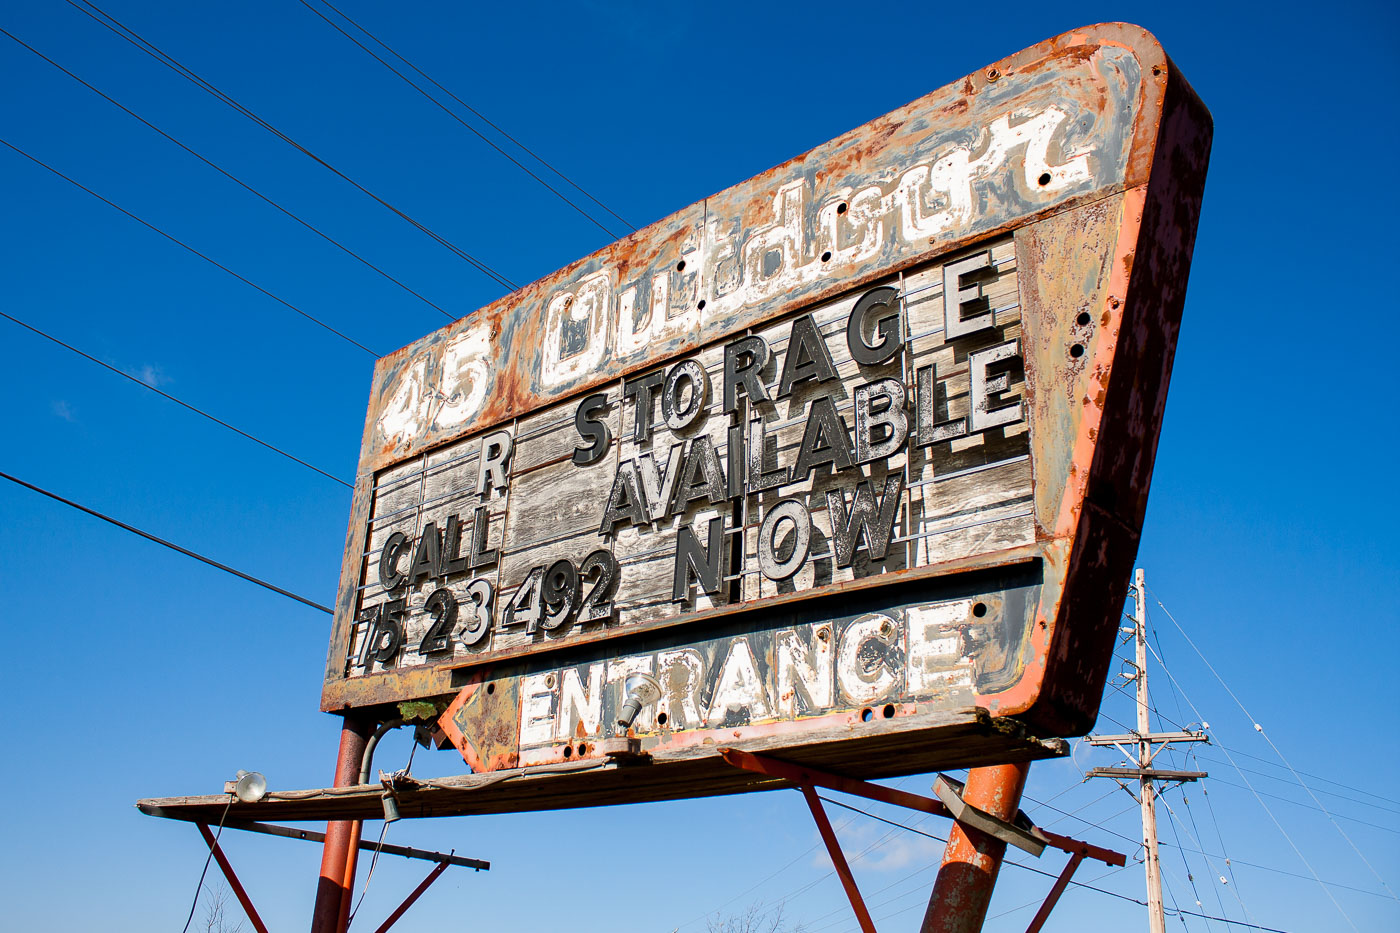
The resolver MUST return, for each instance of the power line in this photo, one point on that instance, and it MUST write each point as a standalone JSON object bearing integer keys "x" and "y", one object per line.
{"x": 199, "y": 886}
{"x": 316, "y": 230}
{"x": 1329, "y": 793}
{"x": 1260, "y": 800}
{"x": 482, "y": 117}
{"x": 1316, "y": 777}
{"x": 901, "y": 782}
{"x": 895, "y": 823}
{"x": 1260, "y": 729}
{"x": 1048, "y": 874}
{"x": 183, "y": 244}
{"x": 1234, "y": 883}
{"x": 1308, "y": 806}
{"x": 1192, "y": 756}
{"x": 1173, "y": 820}
{"x": 174, "y": 547}
{"x": 1074, "y": 815}
{"x": 163, "y": 394}
{"x": 410, "y": 82}
{"x": 105, "y": 19}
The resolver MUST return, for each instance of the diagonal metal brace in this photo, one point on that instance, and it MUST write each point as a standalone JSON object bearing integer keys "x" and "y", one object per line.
{"x": 1022, "y": 834}
{"x": 232, "y": 878}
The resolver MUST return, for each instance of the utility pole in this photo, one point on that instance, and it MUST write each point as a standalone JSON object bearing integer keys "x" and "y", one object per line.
{"x": 1148, "y": 744}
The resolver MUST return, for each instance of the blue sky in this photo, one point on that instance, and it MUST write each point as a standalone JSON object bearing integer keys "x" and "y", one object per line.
{"x": 141, "y": 673}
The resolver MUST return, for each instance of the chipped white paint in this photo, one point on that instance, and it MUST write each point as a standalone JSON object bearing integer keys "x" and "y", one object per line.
{"x": 403, "y": 417}
{"x": 585, "y": 309}
{"x": 904, "y": 655}
{"x": 936, "y": 661}
{"x": 580, "y": 706}
{"x": 739, "y": 687}
{"x": 466, "y": 369}
{"x": 681, "y": 673}
{"x": 537, "y": 709}
{"x": 441, "y": 389}
{"x": 806, "y": 670}
{"x": 936, "y": 198}
{"x": 862, "y": 668}
{"x": 597, "y": 320}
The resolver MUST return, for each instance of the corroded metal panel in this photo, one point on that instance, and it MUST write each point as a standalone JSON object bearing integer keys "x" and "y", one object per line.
{"x": 856, "y": 443}
{"x": 1054, "y": 127}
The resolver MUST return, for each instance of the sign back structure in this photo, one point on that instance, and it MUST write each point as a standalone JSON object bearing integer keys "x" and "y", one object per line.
{"x": 851, "y": 459}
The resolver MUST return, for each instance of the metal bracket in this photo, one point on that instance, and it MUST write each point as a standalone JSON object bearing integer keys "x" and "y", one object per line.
{"x": 1022, "y": 833}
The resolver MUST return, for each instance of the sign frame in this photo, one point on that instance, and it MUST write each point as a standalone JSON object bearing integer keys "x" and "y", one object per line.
{"x": 1115, "y": 248}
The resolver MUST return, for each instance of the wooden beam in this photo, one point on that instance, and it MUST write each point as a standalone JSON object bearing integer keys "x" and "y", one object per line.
{"x": 965, "y": 739}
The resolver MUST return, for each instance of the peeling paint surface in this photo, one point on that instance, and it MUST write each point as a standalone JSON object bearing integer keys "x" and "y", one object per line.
{"x": 926, "y": 177}
{"x": 1087, "y": 155}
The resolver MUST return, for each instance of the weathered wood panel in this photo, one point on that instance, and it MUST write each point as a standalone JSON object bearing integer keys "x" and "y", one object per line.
{"x": 944, "y": 500}
{"x": 1030, "y": 226}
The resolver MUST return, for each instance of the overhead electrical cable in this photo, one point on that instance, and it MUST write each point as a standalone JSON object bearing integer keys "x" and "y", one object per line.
{"x": 1172, "y": 907}
{"x": 479, "y": 115}
{"x": 105, "y": 19}
{"x": 1307, "y": 806}
{"x": 1174, "y": 821}
{"x": 314, "y": 229}
{"x": 163, "y": 394}
{"x": 1040, "y": 900}
{"x": 1283, "y": 780}
{"x": 447, "y": 110}
{"x": 184, "y": 245}
{"x": 1186, "y": 862}
{"x": 1260, "y": 800}
{"x": 1233, "y": 885}
{"x": 1074, "y": 815}
{"x": 809, "y": 850}
{"x": 199, "y": 886}
{"x": 1260, "y": 729}
{"x": 1158, "y": 652}
{"x": 1316, "y": 777}
{"x": 161, "y": 541}
{"x": 1048, "y": 874}
{"x": 1194, "y": 833}
{"x": 841, "y": 915}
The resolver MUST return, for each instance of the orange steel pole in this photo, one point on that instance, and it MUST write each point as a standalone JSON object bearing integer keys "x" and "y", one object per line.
{"x": 972, "y": 859}
{"x": 352, "y": 852}
{"x": 331, "y": 889}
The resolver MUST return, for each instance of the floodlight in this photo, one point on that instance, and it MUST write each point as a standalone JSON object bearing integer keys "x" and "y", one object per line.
{"x": 641, "y": 690}
{"x": 250, "y": 787}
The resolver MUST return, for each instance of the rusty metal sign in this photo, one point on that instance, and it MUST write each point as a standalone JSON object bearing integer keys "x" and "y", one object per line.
{"x": 859, "y": 441}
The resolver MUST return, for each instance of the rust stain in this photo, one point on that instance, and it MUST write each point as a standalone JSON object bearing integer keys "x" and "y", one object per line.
{"x": 1094, "y": 417}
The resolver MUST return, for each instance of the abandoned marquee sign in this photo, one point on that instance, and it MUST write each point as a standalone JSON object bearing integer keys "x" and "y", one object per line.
{"x": 853, "y": 445}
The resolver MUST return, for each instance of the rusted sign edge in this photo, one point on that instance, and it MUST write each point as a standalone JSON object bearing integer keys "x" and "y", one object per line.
{"x": 1092, "y": 531}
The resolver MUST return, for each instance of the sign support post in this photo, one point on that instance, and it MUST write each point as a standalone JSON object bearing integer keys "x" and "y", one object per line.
{"x": 972, "y": 859}
{"x": 333, "y": 886}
